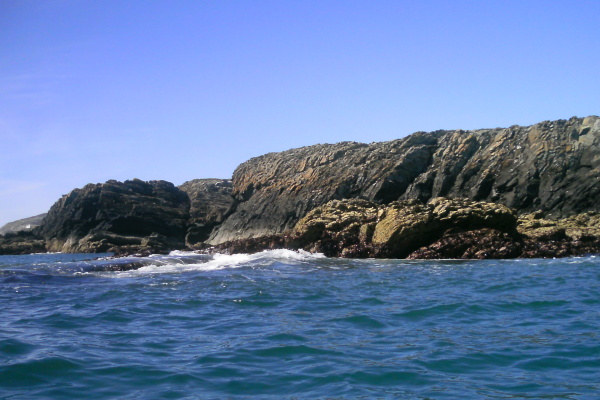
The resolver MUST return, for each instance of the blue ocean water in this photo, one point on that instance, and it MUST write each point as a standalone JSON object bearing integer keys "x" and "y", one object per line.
{"x": 289, "y": 325}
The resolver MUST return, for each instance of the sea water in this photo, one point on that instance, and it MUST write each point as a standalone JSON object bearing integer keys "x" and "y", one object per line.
{"x": 292, "y": 325}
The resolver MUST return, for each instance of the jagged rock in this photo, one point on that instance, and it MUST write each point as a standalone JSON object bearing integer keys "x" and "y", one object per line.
{"x": 134, "y": 214}
{"x": 25, "y": 224}
{"x": 552, "y": 166}
{"x": 441, "y": 228}
{"x": 537, "y": 237}
{"x": 472, "y": 244}
{"x": 466, "y": 214}
{"x": 210, "y": 200}
{"x": 426, "y": 192}
{"x": 344, "y": 218}
{"x": 129, "y": 217}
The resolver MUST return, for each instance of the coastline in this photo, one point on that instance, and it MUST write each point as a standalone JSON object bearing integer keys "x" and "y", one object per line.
{"x": 489, "y": 193}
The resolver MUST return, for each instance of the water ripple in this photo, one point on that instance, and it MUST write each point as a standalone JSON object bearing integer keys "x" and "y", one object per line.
{"x": 302, "y": 327}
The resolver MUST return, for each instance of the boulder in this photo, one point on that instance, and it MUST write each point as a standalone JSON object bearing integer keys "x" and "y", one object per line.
{"x": 360, "y": 228}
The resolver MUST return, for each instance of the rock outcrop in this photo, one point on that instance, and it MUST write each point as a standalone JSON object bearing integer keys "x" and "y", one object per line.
{"x": 22, "y": 242}
{"x": 442, "y": 194}
{"x": 551, "y": 166}
{"x": 210, "y": 200}
{"x": 133, "y": 217}
{"x": 360, "y": 228}
{"x": 441, "y": 228}
{"x": 118, "y": 216}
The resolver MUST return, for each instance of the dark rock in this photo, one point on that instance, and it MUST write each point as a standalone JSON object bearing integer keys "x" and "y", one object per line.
{"x": 210, "y": 200}
{"x": 135, "y": 215}
{"x": 550, "y": 166}
{"x": 440, "y": 229}
{"x": 24, "y": 242}
{"x": 473, "y": 244}
{"x": 252, "y": 245}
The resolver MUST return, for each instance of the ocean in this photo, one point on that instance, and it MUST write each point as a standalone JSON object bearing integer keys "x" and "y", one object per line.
{"x": 292, "y": 325}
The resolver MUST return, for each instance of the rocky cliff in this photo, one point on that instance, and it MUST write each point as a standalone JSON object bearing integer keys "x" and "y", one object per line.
{"x": 99, "y": 217}
{"x": 134, "y": 216}
{"x": 210, "y": 200}
{"x": 428, "y": 195}
{"x": 553, "y": 166}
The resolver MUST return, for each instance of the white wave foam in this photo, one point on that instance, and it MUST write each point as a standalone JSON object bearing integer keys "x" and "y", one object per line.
{"x": 182, "y": 253}
{"x": 223, "y": 261}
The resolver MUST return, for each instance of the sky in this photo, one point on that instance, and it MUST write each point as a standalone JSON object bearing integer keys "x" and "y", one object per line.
{"x": 179, "y": 90}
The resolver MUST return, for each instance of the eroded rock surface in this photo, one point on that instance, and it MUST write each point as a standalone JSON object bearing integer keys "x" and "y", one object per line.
{"x": 22, "y": 242}
{"x": 440, "y": 228}
{"x": 118, "y": 216}
{"x": 552, "y": 166}
{"x": 399, "y": 228}
{"x": 429, "y": 195}
{"x": 362, "y": 228}
{"x": 210, "y": 200}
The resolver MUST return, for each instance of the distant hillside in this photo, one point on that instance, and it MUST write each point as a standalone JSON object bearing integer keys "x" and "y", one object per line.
{"x": 24, "y": 224}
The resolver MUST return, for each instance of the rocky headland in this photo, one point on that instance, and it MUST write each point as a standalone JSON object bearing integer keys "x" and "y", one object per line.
{"x": 491, "y": 193}
{"x": 25, "y": 224}
{"x": 128, "y": 217}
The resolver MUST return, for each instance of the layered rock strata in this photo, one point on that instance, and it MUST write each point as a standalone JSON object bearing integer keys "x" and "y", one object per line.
{"x": 210, "y": 200}
{"x": 135, "y": 216}
{"x": 440, "y": 194}
{"x": 115, "y": 216}
{"x": 553, "y": 166}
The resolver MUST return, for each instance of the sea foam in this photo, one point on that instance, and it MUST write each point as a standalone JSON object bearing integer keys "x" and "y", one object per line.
{"x": 177, "y": 261}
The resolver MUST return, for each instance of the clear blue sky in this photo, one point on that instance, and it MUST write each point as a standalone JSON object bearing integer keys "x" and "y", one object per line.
{"x": 177, "y": 90}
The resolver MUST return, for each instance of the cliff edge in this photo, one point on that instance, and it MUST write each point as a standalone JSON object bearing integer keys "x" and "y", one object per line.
{"x": 553, "y": 166}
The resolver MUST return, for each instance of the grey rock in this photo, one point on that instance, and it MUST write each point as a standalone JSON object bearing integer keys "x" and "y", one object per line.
{"x": 210, "y": 200}
{"x": 105, "y": 217}
{"x": 553, "y": 166}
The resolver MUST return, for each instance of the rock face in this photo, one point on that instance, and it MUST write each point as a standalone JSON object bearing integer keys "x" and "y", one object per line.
{"x": 550, "y": 166}
{"x": 442, "y": 194}
{"x": 360, "y": 228}
{"x": 134, "y": 216}
{"x": 575, "y": 235}
{"x": 22, "y": 242}
{"x": 441, "y": 228}
{"x": 25, "y": 224}
{"x": 118, "y": 215}
{"x": 210, "y": 200}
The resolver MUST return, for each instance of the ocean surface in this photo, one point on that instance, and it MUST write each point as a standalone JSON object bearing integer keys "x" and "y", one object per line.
{"x": 289, "y": 325}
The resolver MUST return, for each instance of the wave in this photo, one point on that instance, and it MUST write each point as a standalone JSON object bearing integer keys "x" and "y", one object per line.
{"x": 180, "y": 261}
{"x": 175, "y": 262}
